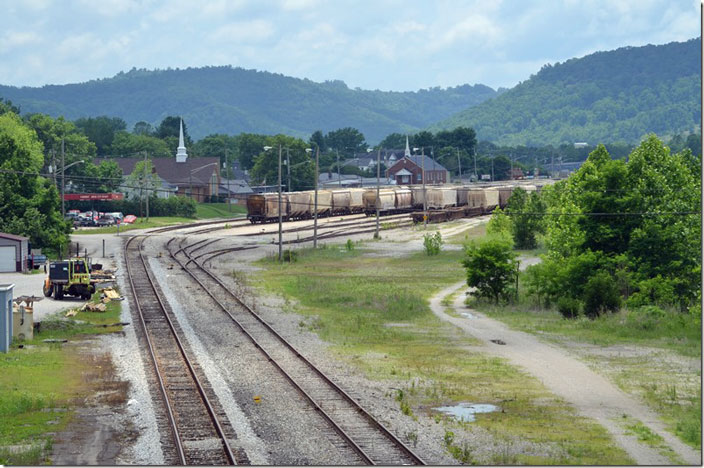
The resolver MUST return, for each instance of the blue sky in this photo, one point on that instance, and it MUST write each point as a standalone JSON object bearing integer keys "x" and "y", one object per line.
{"x": 380, "y": 44}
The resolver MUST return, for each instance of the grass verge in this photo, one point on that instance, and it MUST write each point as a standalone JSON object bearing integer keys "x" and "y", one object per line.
{"x": 219, "y": 210}
{"x": 40, "y": 381}
{"x": 375, "y": 312}
{"x": 652, "y": 358}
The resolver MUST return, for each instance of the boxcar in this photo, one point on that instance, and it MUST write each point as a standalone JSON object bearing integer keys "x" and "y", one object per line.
{"x": 491, "y": 197}
{"x": 387, "y": 201}
{"x": 504, "y": 194}
{"x": 357, "y": 200}
{"x": 300, "y": 205}
{"x": 341, "y": 199}
{"x": 264, "y": 207}
{"x": 324, "y": 202}
{"x": 404, "y": 199}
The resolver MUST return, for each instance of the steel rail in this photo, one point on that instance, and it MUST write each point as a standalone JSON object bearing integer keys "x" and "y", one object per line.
{"x": 273, "y": 361}
{"x": 150, "y": 347}
{"x": 373, "y": 421}
{"x": 206, "y": 401}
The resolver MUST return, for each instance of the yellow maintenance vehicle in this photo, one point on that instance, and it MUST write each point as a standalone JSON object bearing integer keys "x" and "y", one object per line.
{"x": 69, "y": 277}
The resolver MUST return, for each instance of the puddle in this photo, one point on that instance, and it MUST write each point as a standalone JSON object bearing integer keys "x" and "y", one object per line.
{"x": 466, "y": 411}
{"x": 468, "y": 315}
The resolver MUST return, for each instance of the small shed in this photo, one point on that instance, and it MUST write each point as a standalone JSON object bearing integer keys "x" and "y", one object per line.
{"x": 13, "y": 253}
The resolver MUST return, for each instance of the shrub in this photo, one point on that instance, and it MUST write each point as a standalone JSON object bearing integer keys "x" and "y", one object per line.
{"x": 647, "y": 317}
{"x": 432, "y": 243}
{"x": 349, "y": 245}
{"x": 289, "y": 256}
{"x": 491, "y": 268}
{"x": 569, "y": 307}
{"x": 600, "y": 295}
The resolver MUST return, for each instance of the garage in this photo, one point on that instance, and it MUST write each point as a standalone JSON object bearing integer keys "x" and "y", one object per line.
{"x": 7, "y": 259}
{"x": 13, "y": 253}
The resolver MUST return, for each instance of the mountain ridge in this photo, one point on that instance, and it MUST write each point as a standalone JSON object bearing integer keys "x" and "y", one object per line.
{"x": 232, "y": 100}
{"x": 607, "y": 96}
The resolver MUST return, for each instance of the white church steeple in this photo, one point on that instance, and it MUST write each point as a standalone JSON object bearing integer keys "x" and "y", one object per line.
{"x": 181, "y": 155}
{"x": 408, "y": 149}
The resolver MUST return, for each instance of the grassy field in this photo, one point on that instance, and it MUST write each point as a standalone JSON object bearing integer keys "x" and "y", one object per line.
{"x": 374, "y": 310}
{"x": 40, "y": 381}
{"x": 661, "y": 374}
{"x": 203, "y": 211}
{"x": 219, "y": 210}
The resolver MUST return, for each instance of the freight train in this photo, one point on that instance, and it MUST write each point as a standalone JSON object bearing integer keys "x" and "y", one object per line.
{"x": 443, "y": 202}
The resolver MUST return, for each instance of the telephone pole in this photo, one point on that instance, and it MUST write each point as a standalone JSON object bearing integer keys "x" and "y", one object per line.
{"x": 145, "y": 183}
{"x": 281, "y": 256}
{"x": 378, "y": 179}
{"x": 63, "y": 179}
{"x": 459, "y": 163}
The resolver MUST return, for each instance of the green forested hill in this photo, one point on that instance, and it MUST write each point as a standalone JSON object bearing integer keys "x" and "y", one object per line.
{"x": 233, "y": 100}
{"x": 610, "y": 96}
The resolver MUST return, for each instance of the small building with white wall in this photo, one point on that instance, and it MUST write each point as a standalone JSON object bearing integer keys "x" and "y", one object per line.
{"x": 14, "y": 251}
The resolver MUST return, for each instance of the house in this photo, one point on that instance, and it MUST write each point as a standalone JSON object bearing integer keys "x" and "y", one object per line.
{"x": 13, "y": 253}
{"x": 198, "y": 178}
{"x": 409, "y": 170}
{"x": 235, "y": 190}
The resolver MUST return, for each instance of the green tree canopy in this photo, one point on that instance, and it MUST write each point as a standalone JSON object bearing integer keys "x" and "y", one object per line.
{"x": 29, "y": 203}
{"x": 491, "y": 268}
{"x": 101, "y": 131}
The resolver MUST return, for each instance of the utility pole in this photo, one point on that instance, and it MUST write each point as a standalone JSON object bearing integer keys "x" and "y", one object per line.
{"x": 288, "y": 169}
{"x": 63, "y": 179}
{"x": 459, "y": 163}
{"x": 281, "y": 256}
{"x": 229, "y": 194}
{"x": 492, "y": 169}
{"x": 315, "y": 208}
{"x": 476, "y": 177}
{"x": 378, "y": 182}
{"x": 55, "y": 169}
{"x": 425, "y": 196}
{"x": 339, "y": 181}
{"x": 145, "y": 183}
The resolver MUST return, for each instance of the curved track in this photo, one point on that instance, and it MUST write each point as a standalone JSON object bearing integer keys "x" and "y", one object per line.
{"x": 198, "y": 437}
{"x": 369, "y": 438}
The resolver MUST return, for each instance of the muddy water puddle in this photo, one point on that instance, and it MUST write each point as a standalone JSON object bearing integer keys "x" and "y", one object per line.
{"x": 466, "y": 411}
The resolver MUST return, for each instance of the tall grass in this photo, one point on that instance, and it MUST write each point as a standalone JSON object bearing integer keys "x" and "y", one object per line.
{"x": 375, "y": 312}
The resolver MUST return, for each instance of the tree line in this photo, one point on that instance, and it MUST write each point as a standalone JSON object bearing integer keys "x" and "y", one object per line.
{"x": 616, "y": 232}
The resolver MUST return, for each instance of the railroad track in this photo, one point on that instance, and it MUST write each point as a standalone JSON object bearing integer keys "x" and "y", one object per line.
{"x": 374, "y": 444}
{"x": 194, "y": 418}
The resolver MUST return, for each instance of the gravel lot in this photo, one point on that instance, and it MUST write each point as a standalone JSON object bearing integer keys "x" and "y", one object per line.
{"x": 269, "y": 432}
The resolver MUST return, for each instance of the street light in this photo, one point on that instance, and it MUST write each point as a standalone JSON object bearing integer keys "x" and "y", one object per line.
{"x": 425, "y": 202}
{"x": 315, "y": 201}
{"x": 190, "y": 177}
{"x": 63, "y": 182}
{"x": 281, "y": 255}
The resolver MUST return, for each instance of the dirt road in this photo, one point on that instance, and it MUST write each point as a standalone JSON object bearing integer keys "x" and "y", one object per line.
{"x": 590, "y": 393}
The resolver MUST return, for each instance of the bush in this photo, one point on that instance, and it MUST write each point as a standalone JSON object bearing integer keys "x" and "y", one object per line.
{"x": 647, "y": 317}
{"x": 491, "y": 268}
{"x": 569, "y": 307}
{"x": 289, "y": 256}
{"x": 432, "y": 243}
{"x": 600, "y": 295}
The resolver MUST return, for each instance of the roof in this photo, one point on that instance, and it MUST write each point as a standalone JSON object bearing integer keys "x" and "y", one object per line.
{"x": 173, "y": 172}
{"x": 5, "y": 235}
{"x": 430, "y": 163}
{"x": 235, "y": 186}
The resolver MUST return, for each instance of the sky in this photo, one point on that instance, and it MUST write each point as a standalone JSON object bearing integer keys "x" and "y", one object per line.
{"x": 397, "y": 45}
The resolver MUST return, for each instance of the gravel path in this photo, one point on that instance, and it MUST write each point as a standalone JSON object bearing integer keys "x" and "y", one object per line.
{"x": 590, "y": 393}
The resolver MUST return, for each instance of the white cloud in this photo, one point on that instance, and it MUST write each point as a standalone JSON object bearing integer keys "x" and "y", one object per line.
{"x": 14, "y": 39}
{"x": 247, "y": 32}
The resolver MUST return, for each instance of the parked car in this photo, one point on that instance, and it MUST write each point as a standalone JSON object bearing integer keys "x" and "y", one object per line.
{"x": 105, "y": 220}
{"x": 129, "y": 219}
